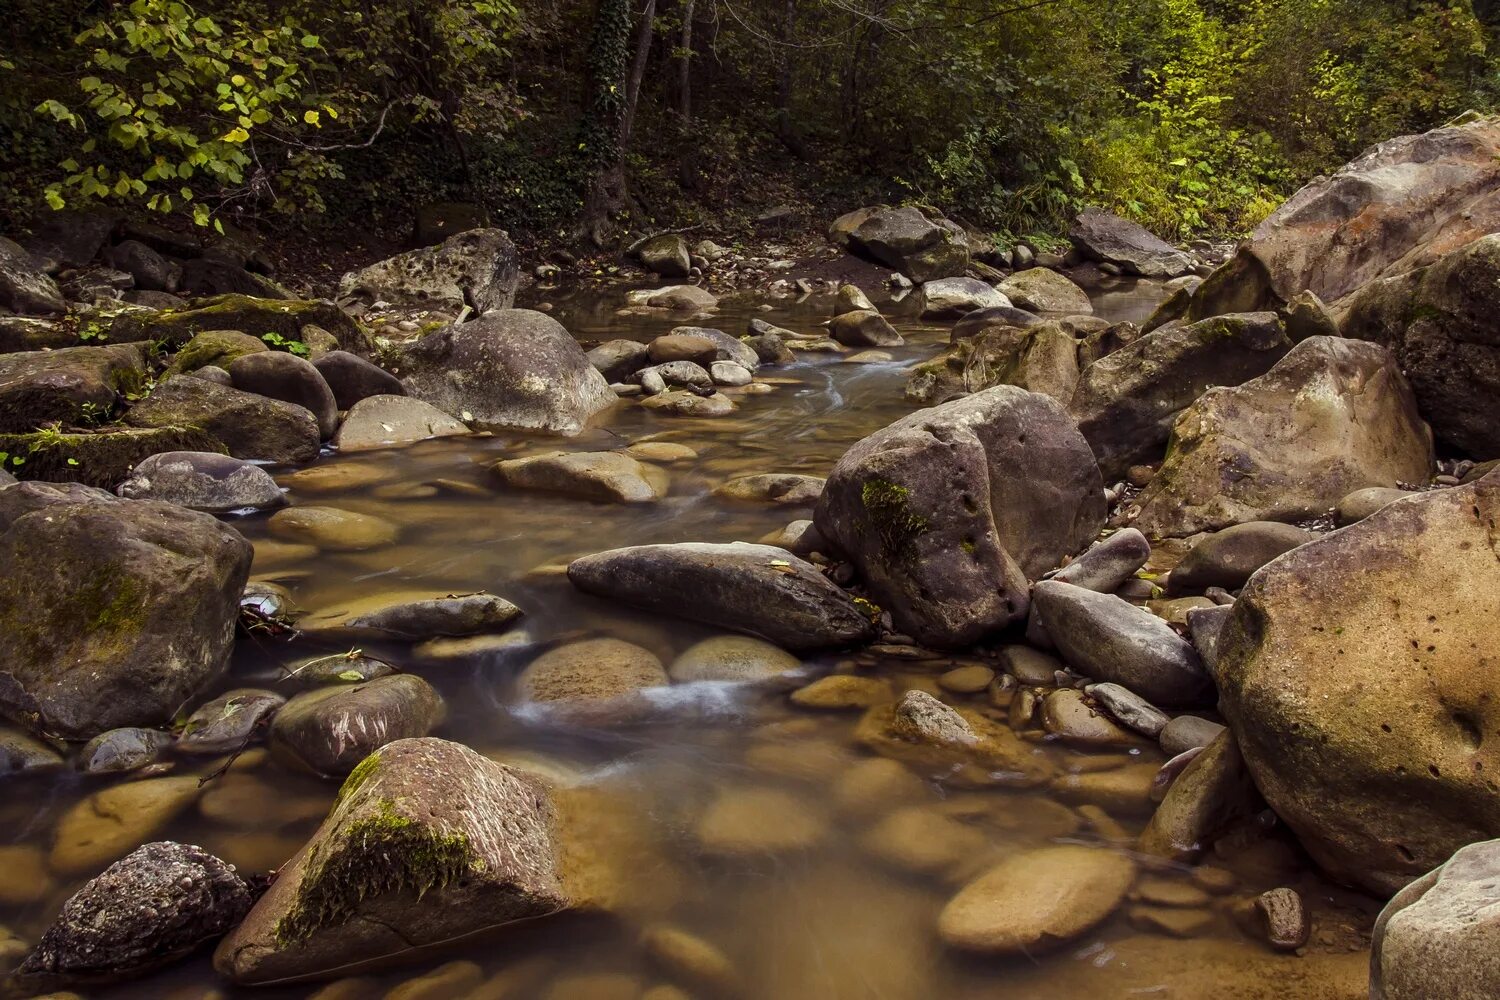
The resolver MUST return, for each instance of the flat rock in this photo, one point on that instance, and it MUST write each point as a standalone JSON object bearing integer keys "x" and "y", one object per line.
{"x": 1045, "y": 291}
{"x": 607, "y": 476}
{"x": 410, "y": 616}
{"x": 333, "y": 529}
{"x": 757, "y": 589}
{"x": 386, "y": 421}
{"x": 1036, "y": 900}
{"x": 203, "y": 481}
{"x": 738, "y": 658}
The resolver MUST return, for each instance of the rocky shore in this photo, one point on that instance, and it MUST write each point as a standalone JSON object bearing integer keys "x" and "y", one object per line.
{"x": 1220, "y": 583}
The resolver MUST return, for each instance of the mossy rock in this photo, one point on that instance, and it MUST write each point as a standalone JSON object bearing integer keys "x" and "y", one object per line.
{"x": 33, "y": 333}
{"x": 213, "y": 347}
{"x": 246, "y": 314}
{"x": 115, "y": 614}
{"x": 68, "y": 386}
{"x": 427, "y": 842}
{"x": 103, "y": 457}
{"x": 251, "y": 426}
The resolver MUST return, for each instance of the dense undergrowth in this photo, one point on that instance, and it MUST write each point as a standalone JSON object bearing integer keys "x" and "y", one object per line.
{"x": 1192, "y": 116}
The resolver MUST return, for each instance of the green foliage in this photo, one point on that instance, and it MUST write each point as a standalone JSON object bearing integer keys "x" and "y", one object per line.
{"x": 279, "y": 343}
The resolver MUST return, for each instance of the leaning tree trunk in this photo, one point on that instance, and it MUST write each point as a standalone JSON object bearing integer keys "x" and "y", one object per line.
{"x": 600, "y": 132}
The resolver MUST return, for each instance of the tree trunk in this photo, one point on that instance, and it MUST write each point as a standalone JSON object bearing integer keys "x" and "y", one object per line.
{"x": 637, "y": 73}
{"x": 687, "y": 163}
{"x": 600, "y": 131}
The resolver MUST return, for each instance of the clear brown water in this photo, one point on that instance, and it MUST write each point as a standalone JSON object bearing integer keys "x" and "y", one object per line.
{"x": 834, "y": 918}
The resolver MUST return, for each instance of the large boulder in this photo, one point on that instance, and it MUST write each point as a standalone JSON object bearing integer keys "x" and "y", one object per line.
{"x": 905, "y": 239}
{"x": 1041, "y": 290}
{"x": 1332, "y": 417}
{"x": 512, "y": 368}
{"x": 68, "y": 386}
{"x": 427, "y": 842}
{"x": 391, "y": 421}
{"x": 1400, "y": 206}
{"x": 352, "y": 378}
{"x": 477, "y": 268}
{"x": 666, "y": 255}
{"x": 1039, "y": 357}
{"x": 1356, "y": 674}
{"x": 115, "y": 614}
{"x": 954, "y": 298}
{"x": 158, "y": 904}
{"x": 283, "y": 376}
{"x": 1439, "y": 938}
{"x": 250, "y": 425}
{"x": 1109, "y": 239}
{"x": 23, "y": 287}
{"x": 950, "y": 512}
{"x": 1439, "y": 322}
{"x": 1126, "y": 402}
{"x": 758, "y": 589}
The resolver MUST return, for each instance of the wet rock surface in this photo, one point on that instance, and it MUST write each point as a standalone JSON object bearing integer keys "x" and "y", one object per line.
{"x": 154, "y": 906}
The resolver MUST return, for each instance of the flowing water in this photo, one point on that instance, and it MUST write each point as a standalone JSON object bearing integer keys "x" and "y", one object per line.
{"x": 842, "y": 866}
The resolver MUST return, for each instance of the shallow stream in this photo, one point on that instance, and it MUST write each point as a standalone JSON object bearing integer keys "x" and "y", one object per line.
{"x": 840, "y": 868}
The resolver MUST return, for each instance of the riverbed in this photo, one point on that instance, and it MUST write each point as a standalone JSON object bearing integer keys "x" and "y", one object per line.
{"x": 840, "y": 863}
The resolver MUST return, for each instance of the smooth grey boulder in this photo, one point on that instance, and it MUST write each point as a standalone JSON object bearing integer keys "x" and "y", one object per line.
{"x": 1108, "y": 639}
{"x": 981, "y": 320}
{"x": 666, "y": 255}
{"x": 250, "y": 425}
{"x": 149, "y": 269}
{"x": 1439, "y": 938}
{"x": 329, "y": 730}
{"x": 954, "y": 298}
{"x": 1126, "y": 401}
{"x": 604, "y": 476}
{"x": 617, "y": 360}
{"x": 1109, "y": 239}
{"x": 156, "y": 905}
{"x": 1204, "y": 626}
{"x": 351, "y": 378}
{"x": 114, "y": 614}
{"x": 702, "y": 345}
{"x": 757, "y": 589}
{"x": 1333, "y": 416}
{"x": 949, "y": 512}
{"x": 1188, "y": 732}
{"x": 391, "y": 421}
{"x": 202, "y": 480}
{"x": 1230, "y": 557}
{"x": 1107, "y": 563}
{"x": 427, "y": 843}
{"x": 283, "y": 376}
{"x": 675, "y": 374}
{"x": 512, "y": 369}
{"x": 477, "y": 268}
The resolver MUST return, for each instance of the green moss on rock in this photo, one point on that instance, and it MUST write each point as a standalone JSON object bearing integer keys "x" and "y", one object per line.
{"x": 245, "y": 314}
{"x": 888, "y": 509}
{"x": 102, "y": 457}
{"x": 378, "y": 854}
